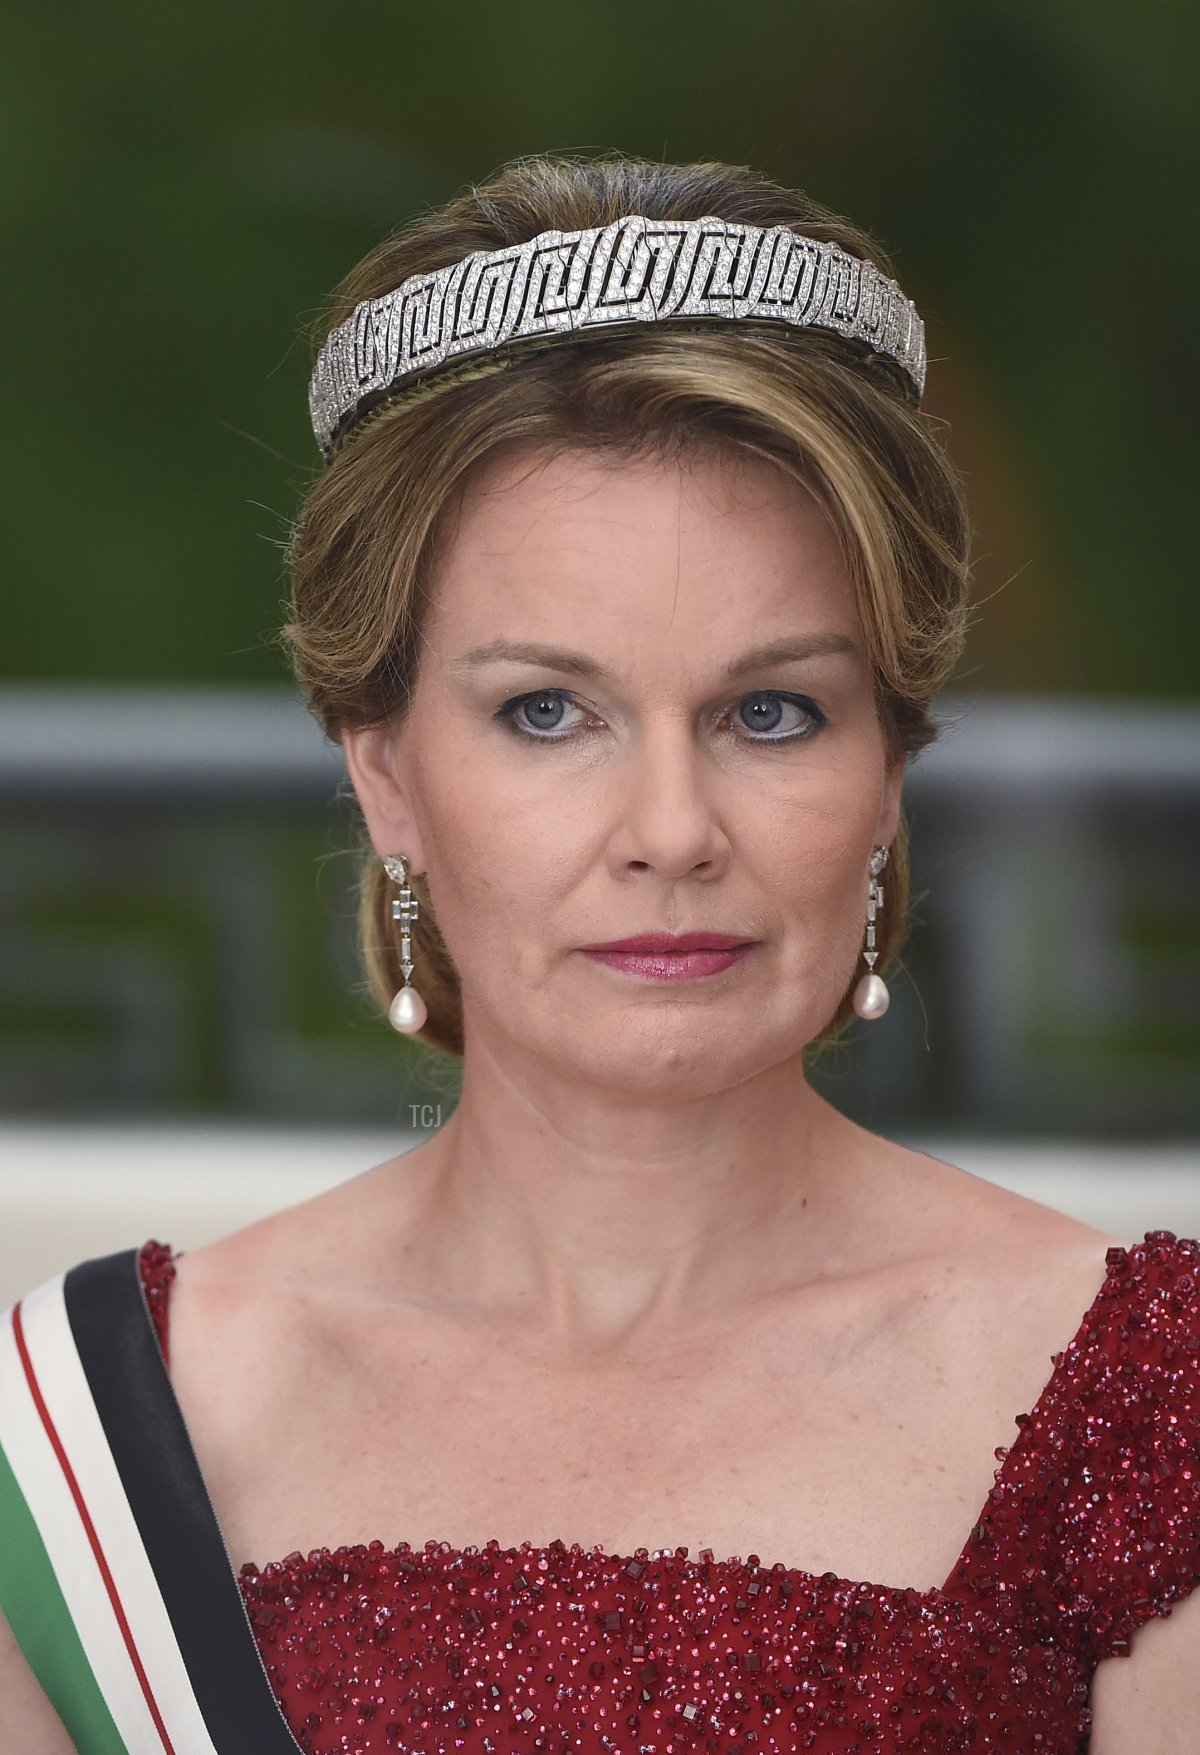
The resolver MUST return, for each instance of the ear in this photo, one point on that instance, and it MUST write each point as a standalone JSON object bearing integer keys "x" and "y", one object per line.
{"x": 889, "y": 807}
{"x": 380, "y": 772}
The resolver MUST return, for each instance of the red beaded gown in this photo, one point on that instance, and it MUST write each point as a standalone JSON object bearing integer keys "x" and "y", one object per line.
{"x": 1092, "y": 1527}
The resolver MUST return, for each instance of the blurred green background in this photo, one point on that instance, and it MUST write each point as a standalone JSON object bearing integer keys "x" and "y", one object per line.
{"x": 181, "y": 190}
{"x": 183, "y": 186}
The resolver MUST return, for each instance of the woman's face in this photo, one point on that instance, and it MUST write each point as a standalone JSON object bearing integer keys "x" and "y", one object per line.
{"x": 597, "y": 747}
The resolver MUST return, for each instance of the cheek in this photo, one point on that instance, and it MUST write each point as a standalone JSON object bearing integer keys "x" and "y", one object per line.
{"x": 496, "y": 859}
{"x": 814, "y": 858}
{"x": 817, "y": 869}
{"x": 822, "y": 825}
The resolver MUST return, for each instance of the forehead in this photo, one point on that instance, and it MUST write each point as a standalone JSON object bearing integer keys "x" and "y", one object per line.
{"x": 706, "y": 544}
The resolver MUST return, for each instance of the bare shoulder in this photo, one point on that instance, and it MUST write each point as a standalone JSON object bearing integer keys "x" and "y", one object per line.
{"x": 999, "y": 1257}
{"x": 983, "y": 1212}
{"x": 287, "y": 1258}
{"x": 249, "y": 1315}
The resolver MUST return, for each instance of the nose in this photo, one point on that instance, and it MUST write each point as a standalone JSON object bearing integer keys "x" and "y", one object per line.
{"x": 665, "y": 815}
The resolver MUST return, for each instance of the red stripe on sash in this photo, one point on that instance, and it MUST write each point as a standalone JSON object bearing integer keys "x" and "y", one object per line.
{"x": 93, "y": 1538}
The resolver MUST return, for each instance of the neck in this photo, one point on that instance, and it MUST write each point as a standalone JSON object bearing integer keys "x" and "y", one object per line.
{"x": 595, "y": 1218}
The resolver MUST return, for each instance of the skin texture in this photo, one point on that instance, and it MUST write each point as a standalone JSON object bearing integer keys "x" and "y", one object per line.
{"x": 644, "y": 1286}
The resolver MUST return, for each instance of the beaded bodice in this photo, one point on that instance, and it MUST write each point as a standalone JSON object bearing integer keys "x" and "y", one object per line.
{"x": 1092, "y": 1527}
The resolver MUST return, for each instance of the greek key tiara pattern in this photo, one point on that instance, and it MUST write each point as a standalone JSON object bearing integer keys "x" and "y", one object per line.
{"x": 635, "y": 270}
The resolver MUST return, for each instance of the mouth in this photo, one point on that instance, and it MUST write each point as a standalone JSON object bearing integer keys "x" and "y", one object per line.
{"x": 685, "y": 956}
{"x": 673, "y": 942}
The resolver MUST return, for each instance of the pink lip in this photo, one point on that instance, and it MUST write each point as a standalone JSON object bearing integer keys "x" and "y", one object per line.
{"x": 661, "y": 957}
{"x": 673, "y": 942}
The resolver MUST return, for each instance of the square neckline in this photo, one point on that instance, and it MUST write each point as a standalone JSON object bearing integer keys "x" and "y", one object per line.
{"x": 1026, "y": 1422}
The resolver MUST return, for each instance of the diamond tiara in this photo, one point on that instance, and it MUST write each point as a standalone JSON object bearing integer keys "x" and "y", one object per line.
{"x": 635, "y": 270}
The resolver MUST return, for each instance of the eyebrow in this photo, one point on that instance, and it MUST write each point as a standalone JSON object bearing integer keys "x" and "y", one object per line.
{"x": 782, "y": 651}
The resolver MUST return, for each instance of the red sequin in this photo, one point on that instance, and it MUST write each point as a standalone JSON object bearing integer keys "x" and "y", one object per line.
{"x": 1091, "y": 1528}
{"x": 157, "y": 1264}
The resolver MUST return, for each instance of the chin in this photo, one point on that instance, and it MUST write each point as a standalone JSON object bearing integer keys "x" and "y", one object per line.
{"x": 650, "y": 1052}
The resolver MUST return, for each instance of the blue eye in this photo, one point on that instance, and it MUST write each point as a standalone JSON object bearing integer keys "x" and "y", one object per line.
{"x": 766, "y": 705}
{"x": 543, "y": 708}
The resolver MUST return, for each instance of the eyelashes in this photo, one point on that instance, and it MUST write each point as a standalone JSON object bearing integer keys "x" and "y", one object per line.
{"x": 507, "y": 715}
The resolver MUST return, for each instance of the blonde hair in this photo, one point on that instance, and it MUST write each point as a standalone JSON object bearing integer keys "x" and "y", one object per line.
{"x": 834, "y": 414}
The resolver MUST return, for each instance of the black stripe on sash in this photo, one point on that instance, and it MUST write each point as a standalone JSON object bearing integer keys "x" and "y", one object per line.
{"x": 115, "y": 1337}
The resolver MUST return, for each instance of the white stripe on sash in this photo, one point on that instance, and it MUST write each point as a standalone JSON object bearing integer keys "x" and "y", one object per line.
{"x": 69, "y": 1403}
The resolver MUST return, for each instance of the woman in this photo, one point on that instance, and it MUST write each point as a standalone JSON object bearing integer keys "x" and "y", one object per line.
{"x": 650, "y": 1403}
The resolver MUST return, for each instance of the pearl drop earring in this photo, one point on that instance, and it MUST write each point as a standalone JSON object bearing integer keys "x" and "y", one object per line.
{"x": 871, "y": 997}
{"x": 407, "y": 1011}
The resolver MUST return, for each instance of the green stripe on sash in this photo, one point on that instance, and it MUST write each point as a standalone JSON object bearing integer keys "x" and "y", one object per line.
{"x": 36, "y": 1611}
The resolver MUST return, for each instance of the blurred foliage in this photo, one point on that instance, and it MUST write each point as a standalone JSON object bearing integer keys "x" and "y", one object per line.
{"x": 181, "y": 188}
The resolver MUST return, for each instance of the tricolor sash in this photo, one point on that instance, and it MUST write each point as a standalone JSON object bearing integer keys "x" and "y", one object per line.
{"x": 114, "y": 1574}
